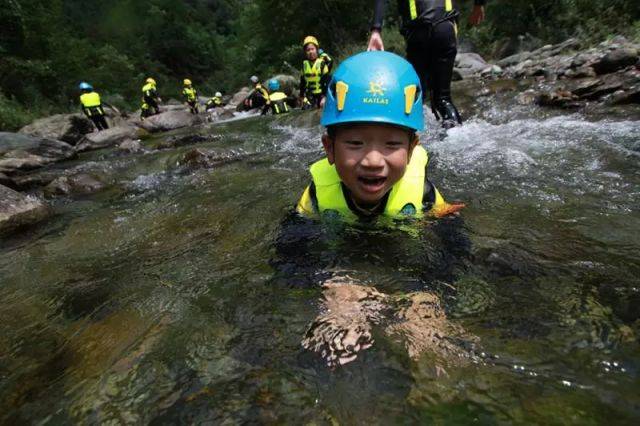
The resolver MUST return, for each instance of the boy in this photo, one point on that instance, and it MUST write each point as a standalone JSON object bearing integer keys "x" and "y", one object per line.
{"x": 374, "y": 164}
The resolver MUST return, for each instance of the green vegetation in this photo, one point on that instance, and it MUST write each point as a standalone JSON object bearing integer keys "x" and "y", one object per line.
{"x": 47, "y": 47}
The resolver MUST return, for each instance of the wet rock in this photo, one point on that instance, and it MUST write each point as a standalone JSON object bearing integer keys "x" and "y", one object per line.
{"x": 492, "y": 70}
{"x": 4, "y": 180}
{"x": 36, "y": 179}
{"x": 581, "y": 72}
{"x": 198, "y": 157}
{"x": 176, "y": 141}
{"x": 288, "y": 84}
{"x": 559, "y": 98}
{"x": 616, "y": 60}
{"x": 23, "y": 152}
{"x": 68, "y": 128}
{"x": 79, "y": 184}
{"x": 222, "y": 113}
{"x": 512, "y": 60}
{"x": 18, "y": 210}
{"x": 528, "y": 97}
{"x": 130, "y": 146}
{"x": 629, "y": 96}
{"x": 240, "y": 96}
{"x": 109, "y": 137}
{"x": 470, "y": 61}
{"x": 170, "y": 120}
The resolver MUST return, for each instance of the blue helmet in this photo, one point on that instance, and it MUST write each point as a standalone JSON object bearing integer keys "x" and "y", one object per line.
{"x": 85, "y": 86}
{"x": 378, "y": 87}
{"x": 273, "y": 84}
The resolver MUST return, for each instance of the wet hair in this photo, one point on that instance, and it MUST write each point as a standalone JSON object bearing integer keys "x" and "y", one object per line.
{"x": 332, "y": 131}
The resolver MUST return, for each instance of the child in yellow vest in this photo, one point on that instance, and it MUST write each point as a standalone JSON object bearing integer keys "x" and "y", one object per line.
{"x": 375, "y": 164}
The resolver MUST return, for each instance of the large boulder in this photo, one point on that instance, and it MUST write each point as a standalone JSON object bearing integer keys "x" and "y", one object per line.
{"x": 470, "y": 60}
{"x": 18, "y": 210}
{"x": 69, "y": 128}
{"x": 240, "y": 96}
{"x": 170, "y": 120}
{"x": 288, "y": 84}
{"x": 616, "y": 60}
{"x": 110, "y": 137}
{"x": 22, "y": 152}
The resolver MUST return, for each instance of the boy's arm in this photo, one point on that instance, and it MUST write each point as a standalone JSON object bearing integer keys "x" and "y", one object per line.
{"x": 434, "y": 203}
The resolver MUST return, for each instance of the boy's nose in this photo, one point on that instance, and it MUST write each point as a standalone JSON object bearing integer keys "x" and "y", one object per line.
{"x": 373, "y": 158}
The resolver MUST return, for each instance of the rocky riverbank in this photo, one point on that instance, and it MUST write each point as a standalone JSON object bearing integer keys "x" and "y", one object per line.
{"x": 566, "y": 75}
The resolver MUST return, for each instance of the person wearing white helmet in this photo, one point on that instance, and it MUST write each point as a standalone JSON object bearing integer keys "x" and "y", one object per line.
{"x": 214, "y": 102}
{"x": 258, "y": 97}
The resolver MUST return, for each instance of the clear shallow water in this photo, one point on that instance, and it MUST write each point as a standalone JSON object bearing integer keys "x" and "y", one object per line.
{"x": 168, "y": 298}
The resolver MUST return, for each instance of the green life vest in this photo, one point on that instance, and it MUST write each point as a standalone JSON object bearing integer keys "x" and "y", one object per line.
{"x": 313, "y": 74}
{"x": 405, "y": 198}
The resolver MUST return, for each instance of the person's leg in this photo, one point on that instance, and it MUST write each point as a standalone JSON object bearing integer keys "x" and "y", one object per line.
{"x": 103, "y": 122}
{"x": 418, "y": 56}
{"x": 443, "y": 50}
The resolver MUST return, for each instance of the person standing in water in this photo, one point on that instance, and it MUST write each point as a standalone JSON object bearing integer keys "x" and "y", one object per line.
{"x": 316, "y": 69}
{"x": 430, "y": 33}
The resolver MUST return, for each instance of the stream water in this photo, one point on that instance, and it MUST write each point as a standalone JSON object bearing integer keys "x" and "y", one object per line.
{"x": 163, "y": 300}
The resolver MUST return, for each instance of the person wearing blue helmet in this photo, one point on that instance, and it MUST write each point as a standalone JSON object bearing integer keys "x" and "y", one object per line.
{"x": 277, "y": 99}
{"x": 374, "y": 163}
{"x": 92, "y": 106}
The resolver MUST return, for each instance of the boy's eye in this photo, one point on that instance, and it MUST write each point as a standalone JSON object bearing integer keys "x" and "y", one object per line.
{"x": 394, "y": 144}
{"x": 354, "y": 144}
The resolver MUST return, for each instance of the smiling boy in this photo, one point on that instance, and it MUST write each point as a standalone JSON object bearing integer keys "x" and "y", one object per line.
{"x": 374, "y": 164}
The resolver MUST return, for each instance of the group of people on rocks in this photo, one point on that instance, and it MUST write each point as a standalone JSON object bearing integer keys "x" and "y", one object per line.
{"x": 430, "y": 31}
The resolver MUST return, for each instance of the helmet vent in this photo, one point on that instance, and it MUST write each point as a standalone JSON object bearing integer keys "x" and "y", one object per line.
{"x": 341, "y": 94}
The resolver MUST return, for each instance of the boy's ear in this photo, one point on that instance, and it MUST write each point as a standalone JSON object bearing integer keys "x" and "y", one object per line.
{"x": 413, "y": 144}
{"x": 327, "y": 144}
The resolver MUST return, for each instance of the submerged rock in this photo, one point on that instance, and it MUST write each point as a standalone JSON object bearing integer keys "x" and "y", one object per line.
{"x": 170, "y": 120}
{"x": 199, "y": 157}
{"x": 18, "y": 210}
{"x": 69, "y": 128}
{"x": 79, "y": 184}
{"x": 130, "y": 146}
{"x": 22, "y": 152}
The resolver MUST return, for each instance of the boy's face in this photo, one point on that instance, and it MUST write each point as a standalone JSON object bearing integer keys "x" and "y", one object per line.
{"x": 370, "y": 158}
{"x": 311, "y": 51}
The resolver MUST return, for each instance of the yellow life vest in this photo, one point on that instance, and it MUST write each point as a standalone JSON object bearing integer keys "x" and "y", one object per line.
{"x": 278, "y": 102}
{"x": 91, "y": 103}
{"x": 190, "y": 93}
{"x": 147, "y": 88}
{"x": 215, "y": 101}
{"x": 408, "y": 191}
{"x": 313, "y": 74}
{"x": 91, "y": 99}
